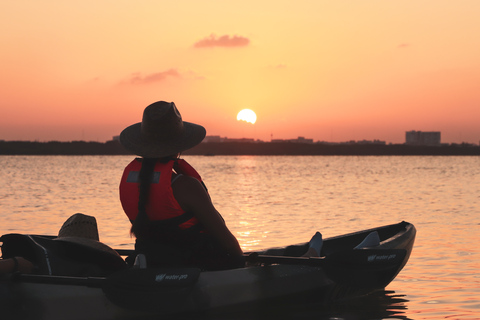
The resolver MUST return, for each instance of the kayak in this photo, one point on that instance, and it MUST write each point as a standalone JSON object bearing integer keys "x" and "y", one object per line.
{"x": 277, "y": 275}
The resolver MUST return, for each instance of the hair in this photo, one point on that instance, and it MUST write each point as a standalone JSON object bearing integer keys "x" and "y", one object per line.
{"x": 141, "y": 225}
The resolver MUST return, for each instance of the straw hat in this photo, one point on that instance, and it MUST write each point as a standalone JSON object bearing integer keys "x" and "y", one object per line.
{"x": 82, "y": 229}
{"x": 161, "y": 133}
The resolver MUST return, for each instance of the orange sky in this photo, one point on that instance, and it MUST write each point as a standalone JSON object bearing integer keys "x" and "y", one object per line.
{"x": 328, "y": 70}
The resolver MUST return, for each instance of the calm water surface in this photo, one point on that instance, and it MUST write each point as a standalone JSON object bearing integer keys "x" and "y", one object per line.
{"x": 275, "y": 201}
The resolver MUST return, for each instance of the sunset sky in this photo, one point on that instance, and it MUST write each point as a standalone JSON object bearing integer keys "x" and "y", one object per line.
{"x": 328, "y": 70}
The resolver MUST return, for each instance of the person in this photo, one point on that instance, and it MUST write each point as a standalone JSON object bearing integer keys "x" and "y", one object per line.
{"x": 15, "y": 264}
{"x": 173, "y": 218}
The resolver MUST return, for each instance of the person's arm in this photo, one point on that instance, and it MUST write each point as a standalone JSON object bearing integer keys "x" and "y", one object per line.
{"x": 192, "y": 196}
{"x": 15, "y": 264}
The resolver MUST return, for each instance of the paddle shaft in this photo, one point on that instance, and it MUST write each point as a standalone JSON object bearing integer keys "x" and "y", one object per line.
{"x": 256, "y": 258}
{"x": 371, "y": 257}
{"x": 364, "y": 256}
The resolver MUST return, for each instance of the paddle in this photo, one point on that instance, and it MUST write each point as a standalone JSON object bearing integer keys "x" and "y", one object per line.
{"x": 362, "y": 268}
{"x": 370, "y": 257}
{"x": 377, "y": 257}
{"x": 354, "y": 258}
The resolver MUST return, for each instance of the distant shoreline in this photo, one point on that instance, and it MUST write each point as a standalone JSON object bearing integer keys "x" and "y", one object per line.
{"x": 240, "y": 148}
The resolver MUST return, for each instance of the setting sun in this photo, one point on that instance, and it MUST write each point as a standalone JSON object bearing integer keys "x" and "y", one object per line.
{"x": 247, "y": 115}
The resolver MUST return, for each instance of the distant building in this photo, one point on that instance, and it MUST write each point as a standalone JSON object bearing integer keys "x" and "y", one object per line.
{"x": 302, "y": 140}
{"x": 379, "y": 142}
{"x": 239, "y": 140}
{"x": 298, "y": 140}
{"x": 420, "y": 138}
{"x": 213, "y": 139}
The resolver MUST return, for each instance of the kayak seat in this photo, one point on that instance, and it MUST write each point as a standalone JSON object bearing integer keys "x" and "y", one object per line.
{"x": 140, "y": 261}
{"x": 370, "y": 241}
{"x": 62, "y": 258}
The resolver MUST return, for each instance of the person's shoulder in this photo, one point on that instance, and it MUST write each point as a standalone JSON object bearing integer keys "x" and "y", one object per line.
{"x": 186, "y": 182}
{"x": 190, "y": 193}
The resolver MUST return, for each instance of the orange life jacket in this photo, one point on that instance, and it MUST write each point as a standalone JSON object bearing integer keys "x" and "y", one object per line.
{"x": 162, "y": 205}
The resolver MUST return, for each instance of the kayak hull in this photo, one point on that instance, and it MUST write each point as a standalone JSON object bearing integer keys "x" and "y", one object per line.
{"x": 55, "y": 297}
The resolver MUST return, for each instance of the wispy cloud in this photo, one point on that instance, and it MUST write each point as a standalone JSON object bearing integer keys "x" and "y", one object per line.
{"x": 403, "y": 45}
{"x": 139, "y": 78}
{"x": 222, "y": 41}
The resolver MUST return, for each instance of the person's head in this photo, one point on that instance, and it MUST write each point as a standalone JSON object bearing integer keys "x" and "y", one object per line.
{"x": 162, "y": 132}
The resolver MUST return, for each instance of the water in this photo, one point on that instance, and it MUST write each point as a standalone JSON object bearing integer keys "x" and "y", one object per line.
{"x": 278, "y": 200}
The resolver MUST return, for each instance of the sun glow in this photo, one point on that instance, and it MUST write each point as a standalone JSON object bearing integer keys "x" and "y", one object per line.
{"x": 247, "y": 115}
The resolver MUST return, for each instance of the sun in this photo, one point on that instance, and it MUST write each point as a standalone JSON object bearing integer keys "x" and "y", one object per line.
{"x": 247, "y": 115}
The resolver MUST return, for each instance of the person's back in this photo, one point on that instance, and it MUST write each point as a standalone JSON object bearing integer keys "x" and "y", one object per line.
{"x": 219, "y": 245}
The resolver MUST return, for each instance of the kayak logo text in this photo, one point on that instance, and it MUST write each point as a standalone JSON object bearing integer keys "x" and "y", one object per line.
{"x": 164, "y": 276}
{"x": 385, "y": 257}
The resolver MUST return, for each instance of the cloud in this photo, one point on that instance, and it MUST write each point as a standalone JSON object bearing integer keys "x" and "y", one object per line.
{"x": 138, "y": 78}
{"x": 223, "y": 41}
{"x": 403, "y": 45}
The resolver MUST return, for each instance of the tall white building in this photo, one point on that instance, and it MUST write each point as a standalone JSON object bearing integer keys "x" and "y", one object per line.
{"x": 420, "y": 138}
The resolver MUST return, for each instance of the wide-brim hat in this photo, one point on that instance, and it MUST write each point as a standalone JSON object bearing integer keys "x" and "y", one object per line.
{"x": 82, "y": 229}
{"x": 161, "y": 133}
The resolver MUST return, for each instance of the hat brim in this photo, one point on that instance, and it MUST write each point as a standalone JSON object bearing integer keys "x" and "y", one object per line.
{"x": 131, "y": 138}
